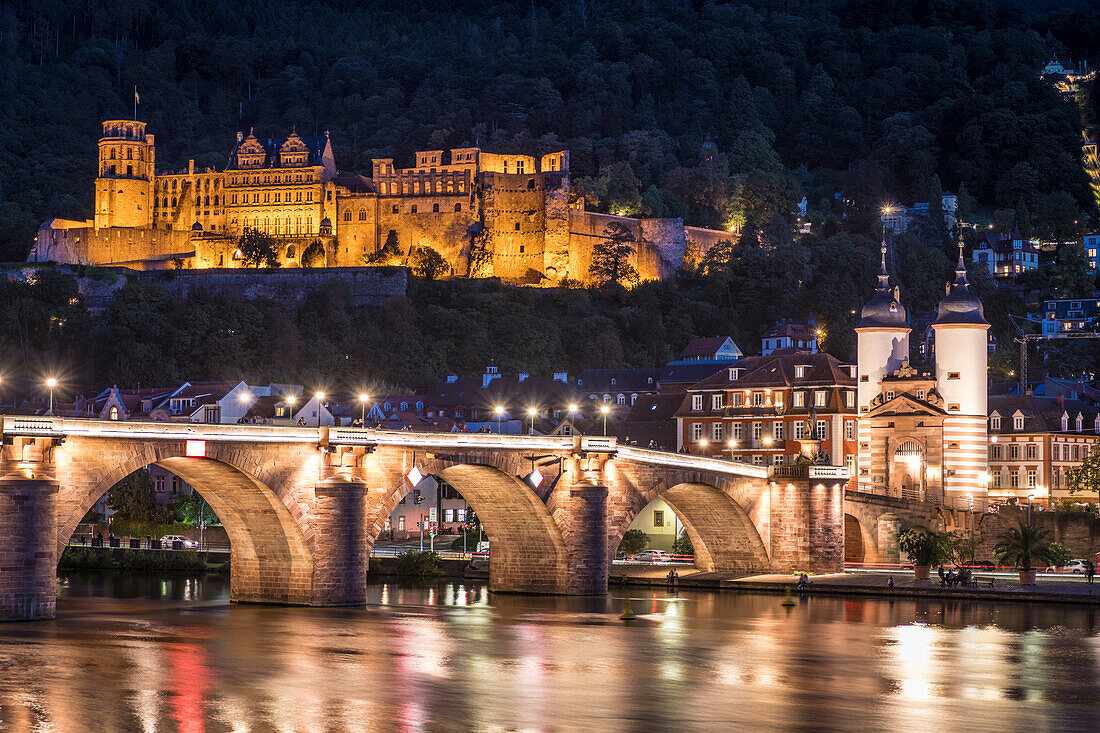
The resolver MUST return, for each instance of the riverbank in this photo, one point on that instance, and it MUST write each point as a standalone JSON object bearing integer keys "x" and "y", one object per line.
{"x": 863, "y": 584}
{"x": 107, "y": 558}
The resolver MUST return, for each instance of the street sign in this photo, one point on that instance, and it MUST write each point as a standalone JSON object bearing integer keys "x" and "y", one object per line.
{"x": 431, "y": 514}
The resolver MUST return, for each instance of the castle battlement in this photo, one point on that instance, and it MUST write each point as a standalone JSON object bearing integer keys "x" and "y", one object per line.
{"x": 528, "y": 224}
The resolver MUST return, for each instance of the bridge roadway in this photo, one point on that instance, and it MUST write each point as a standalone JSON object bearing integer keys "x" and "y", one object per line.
{"x": 303, "y": 506}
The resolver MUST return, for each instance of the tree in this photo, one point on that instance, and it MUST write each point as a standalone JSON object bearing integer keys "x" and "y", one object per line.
{"x": 1023, "y": 547}
{"x": 611, "y": 257}
{"x": 633, "y": 542}
{"x": 428, "y": 264}
{"x": 132, "y": 498}
{"x": 683, "y": 545}
{"x": 1085, "y": 476}
{"x": 314, "y": 255}
{"x": 258, "y": 249}
{"x": 481, "y": 256}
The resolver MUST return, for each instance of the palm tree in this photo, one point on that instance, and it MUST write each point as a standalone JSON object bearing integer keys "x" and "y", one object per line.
{"x": 1023, "y": 546}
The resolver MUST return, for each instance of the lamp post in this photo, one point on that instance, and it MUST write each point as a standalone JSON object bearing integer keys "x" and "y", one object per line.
{"x": 320, "y": 397}
{"x": 498, "y": 411}
{"x": 1030, "y": 498}
{"x": 604, "y": 409}
{"x": 732, "y": 443}
{"x": 532, "y": 413}
{"x": 363, "y": 399}
{"x": 703, "y": 443}
{"x": 51, "y": 383}
{"x": 573, "y": 412}
{"x": 291, "y": 400}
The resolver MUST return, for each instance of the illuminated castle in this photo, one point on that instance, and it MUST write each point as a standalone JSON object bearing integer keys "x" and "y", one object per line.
{"x": 509, "y": 216}
{"x": 923, "y": 434}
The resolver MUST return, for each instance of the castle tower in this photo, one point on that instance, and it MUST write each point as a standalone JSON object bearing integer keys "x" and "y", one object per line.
{"x": 961, "y": 379}
{"x": 882, "y": 345}
{"x": 124, "y": 186}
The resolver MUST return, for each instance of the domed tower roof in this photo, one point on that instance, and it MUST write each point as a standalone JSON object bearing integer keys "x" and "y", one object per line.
{"x": 884, "y": 310}
{"x": 960, "y": 306}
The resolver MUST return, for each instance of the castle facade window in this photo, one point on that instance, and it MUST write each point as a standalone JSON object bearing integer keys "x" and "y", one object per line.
{"x": 458, "y": 208}
{"x": 362, "y": 214}
{"x": 435, "y": 208}
{"x": 347, "y": 216}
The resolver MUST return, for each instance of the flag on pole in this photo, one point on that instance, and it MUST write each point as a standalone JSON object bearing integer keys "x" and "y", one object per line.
{"x": 136, "y": 100}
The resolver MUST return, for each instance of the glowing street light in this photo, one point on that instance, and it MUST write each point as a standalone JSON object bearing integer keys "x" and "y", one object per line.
{"x": 363, "y": 399}
{"x": 51, "y": 383}
{"x": 532, "y": 413}
{"x": 604, "y": 409}
{"x": 290, "y": 400}
{"x": 320, "y": 397}
{"x": 498, "y": 411}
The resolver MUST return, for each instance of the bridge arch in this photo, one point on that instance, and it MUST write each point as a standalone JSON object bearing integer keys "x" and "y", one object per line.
{"x": 860, "y": 544}
{"x": 527, "y": 551}
{"x": 270, "y": 559}
{"x": 722, "y": 531}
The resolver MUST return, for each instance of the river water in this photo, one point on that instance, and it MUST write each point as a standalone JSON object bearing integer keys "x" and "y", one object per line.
{"x": 136, "y": 653}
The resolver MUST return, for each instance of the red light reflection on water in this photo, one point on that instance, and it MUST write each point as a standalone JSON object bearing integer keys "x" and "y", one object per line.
{"x": 190, "y": 679}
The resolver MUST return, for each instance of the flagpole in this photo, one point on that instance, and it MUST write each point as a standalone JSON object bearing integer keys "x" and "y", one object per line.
{"x": 135, "y": 102}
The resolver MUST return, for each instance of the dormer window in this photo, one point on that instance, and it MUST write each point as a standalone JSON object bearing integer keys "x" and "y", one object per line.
{"x": 1080, "y": 421}
{"x": 1065, "y": 422}
{"x": 995, "y": 422}
{"x": 800, "y": 371}
{"x": 1018, "y": 422}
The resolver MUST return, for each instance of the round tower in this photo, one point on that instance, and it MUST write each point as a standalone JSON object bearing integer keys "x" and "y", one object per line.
{"x": 962, "y": 360}
{"x": 124, "y": 186}
{"x": 882, "y": 338}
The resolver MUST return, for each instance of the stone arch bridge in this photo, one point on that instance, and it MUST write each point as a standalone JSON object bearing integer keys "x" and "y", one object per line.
{"x": 303, "y": 506}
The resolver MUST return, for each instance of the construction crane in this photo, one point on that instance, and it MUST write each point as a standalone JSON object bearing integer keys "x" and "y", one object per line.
{"x": 1026, "y": 338}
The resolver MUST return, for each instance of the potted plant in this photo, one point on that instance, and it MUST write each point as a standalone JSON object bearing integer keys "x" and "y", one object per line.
{"x": 1023, "y": 547}
{"x": 924, "y": 549}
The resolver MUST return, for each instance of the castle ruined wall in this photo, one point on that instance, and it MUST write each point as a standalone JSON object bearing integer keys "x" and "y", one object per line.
{"x": 138, "y": 248}
{"x": 703, "y": 239}
{"x": 556, "y": 249}
{"x": 445, "y": 231}
{"x": 515, "y": 217}
{"x": 663, "y": 245}
{"x": 358, "y": 238}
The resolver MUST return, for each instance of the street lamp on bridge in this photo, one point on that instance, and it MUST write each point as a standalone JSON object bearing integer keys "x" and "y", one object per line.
{"x": 363, "y": 399}
{"x": 498, "y": 411}
{"x": 320, "y": 397}
{"x": 532, "y": 413}
{"x": 604, "y": 409}
{"x": 51, "y": 383}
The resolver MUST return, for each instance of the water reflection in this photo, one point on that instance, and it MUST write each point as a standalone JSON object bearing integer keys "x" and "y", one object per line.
{"x": 151, "y": 654}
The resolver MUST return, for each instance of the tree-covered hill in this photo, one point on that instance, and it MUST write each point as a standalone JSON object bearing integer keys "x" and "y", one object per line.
{"x": 707, "y": 110}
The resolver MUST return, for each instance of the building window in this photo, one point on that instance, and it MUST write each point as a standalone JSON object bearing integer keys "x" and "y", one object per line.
{"x": 850, "y": 399}
{"x": 995, "y": 422}
{"x": 822, "y": 429}
{"x": 718, "y": 401}
{"x": 362, "y": 214}
{"x": 820, "y": 397}
{"x": 696, "y": 431}
{"x": 1013, "y": 452}
{"x": 758, "y": 399}
{"x": 736, "y": 431}
{"x": 953, "y": 375}
{"x": 435, "y": 208}
{"x": 779, "y": 431}
{"x": 738, "y": 399}
{"x": 658, "y": 518}
{"x": 1055, "y": 452}
{"x": 1014, "y": 479}
{"x": 889, "y": 395}
{"x": 347, "y": 215}
{"x": 1031, "y": 478}
{"x": 799, "y": 430}
{"x": 1018, "y": 422}
{"x": 517, "y": 226}
{"x": 696, "y": 402}
{"x": 717, "y": 432}
{"x": 997, "y": 479}
{"x": 799, "y": 399}
{"x": 1032, "y": 451}
{"x": 114, "y": 413}
{"x": 996, "y": 452}
{"x": 849, "y": 429}
{"x": 394, "y": 209}
{"x": 412, "y": 209}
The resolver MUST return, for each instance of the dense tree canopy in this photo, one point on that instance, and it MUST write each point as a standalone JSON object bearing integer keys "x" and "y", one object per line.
{"x": 707, "y": 110}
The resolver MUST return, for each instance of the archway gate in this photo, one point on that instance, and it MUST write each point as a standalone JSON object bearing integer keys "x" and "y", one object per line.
{"x": 303, "y": 506}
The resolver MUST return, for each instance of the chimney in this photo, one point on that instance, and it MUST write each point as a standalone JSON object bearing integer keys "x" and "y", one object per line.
{"x": 1061, "y": 400}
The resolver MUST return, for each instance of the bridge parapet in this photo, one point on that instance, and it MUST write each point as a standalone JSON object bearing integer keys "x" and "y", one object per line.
{"x": 810, "y": 471}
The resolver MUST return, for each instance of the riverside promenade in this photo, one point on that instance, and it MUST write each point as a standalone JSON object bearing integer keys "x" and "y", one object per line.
{"x": 1005, "y": 587}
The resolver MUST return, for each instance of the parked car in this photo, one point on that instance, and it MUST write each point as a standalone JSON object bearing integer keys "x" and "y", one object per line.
{"x": 653, "y": 556}
{"x": 1075, "y": 566}
{"x": 168, "y": 539}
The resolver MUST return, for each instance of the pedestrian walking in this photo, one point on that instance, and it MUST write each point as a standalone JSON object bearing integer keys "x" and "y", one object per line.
{"x": 943, "y": 577}
{"x": 1090, "y": 570}
{"x": 671, "y": 578}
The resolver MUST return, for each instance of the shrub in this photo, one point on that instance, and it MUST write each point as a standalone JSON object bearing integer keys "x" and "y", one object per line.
{"x": 633, "y": 542}
{"x": 683, "y": 545}
{"x": 1023, "y": 547}
{"x": 923, "y": 547}
{"x": 418, "y": 564}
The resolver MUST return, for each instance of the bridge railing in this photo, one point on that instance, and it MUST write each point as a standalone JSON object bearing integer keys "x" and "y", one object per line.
{"x": 695, "y": 463}
{"x": 810, "y": 471}
{"x": 37, "y": 425}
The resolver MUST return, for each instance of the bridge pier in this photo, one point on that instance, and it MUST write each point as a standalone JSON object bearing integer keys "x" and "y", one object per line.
{"x": 341, "y": 548}
{"x": 28, "y": 549}
{"x": 584, "y": 530}
{"x": 807, "y": 525}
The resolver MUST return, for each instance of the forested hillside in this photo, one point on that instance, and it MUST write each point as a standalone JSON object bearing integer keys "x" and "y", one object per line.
{"x": 720, "y": 113}
{"x": 885, "y": 100}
